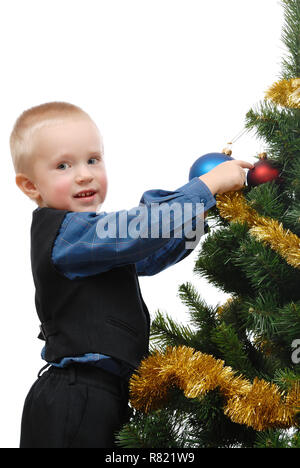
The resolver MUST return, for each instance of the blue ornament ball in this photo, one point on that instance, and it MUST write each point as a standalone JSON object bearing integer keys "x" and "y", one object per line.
{"x": 206, "y": 163}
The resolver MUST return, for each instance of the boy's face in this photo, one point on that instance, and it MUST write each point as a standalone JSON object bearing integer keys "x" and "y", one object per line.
{"x": 68, "y": 159}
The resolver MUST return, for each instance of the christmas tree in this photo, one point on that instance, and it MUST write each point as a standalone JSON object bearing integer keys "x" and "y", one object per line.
{"x": 232, "y": 377}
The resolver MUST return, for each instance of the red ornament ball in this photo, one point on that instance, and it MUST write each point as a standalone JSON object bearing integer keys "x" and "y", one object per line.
{"x": 263, "y": 171}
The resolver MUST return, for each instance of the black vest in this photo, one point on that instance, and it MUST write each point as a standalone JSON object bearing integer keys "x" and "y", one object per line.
{"x": 103, "y": 313}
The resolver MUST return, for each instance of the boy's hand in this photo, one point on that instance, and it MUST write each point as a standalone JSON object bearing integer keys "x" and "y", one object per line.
{"x": 227, "y": 176}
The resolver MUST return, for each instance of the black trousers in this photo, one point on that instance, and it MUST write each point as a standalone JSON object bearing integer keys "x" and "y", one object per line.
{"x": 80, "y": 406}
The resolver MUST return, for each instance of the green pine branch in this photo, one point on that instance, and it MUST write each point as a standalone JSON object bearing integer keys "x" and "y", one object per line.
{"x": 291, "y": 39}
{"x": 267, "y": 200}
{"x": 216, "y": 260}
{"x": 286, "y": 378}
{"x": 266, "y": 271}
{"x": 232, "y": 350}
{"x": 167, "y": 332}
{"x": 279, "y": 128}
{"x": 273, "y": 438}
{"x": 287, "y": 322}
{"x": 162, "y": 428}
{"x": 201, "y": 314}
{"x": 292, "y": 176}
{"x": 292, "y": 218}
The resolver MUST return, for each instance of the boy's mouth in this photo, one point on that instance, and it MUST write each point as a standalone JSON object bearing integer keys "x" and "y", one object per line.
{"x": 85, "y": 194}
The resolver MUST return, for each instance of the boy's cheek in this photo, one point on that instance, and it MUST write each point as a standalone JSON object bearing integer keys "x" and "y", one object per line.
{"x": 61, "y": 191}
{"x": 63, "y": 187}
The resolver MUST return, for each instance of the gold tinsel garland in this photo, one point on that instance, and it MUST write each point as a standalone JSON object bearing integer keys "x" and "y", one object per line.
{"x": 233, "y": 207}
{"x": 260, "y": 405}
{"x": 285, "y": 93}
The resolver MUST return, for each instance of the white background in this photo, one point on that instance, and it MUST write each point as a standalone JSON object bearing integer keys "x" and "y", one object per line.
{"x": 166, "y": 81}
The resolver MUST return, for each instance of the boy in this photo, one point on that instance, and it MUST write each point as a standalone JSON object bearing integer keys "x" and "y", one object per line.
{"x": 93, "y": 318}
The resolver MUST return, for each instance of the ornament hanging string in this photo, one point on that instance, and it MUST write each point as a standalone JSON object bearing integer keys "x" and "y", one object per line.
{"x": 228, "y": 149}
{"x": 238, "y": 136}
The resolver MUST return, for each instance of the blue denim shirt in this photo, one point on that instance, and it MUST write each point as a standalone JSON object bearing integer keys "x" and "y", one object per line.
{"x": 78, "y": 251}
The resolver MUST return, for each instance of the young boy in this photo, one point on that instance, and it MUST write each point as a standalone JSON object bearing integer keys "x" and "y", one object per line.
{"x": 93, "y": 318}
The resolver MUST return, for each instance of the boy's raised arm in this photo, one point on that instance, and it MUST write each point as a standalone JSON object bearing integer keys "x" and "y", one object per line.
{"x": 89, "y": 244}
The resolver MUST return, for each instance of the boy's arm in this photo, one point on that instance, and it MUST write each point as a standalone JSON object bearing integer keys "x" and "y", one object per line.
{"x": 169, "y": 255}
{"x": 175, "y": 250}
{"x": 81, "y": 249}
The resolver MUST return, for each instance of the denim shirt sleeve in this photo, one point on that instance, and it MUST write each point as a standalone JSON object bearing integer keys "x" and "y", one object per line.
{"x": 79, "y": 250}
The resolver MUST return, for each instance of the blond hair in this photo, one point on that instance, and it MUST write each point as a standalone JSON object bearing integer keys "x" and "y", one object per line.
{"x": 29, "y": 122}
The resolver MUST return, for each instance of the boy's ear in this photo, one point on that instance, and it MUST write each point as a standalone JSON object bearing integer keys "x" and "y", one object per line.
{"x": 27, "y": 186}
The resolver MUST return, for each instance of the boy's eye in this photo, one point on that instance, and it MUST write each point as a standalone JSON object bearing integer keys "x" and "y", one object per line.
{"x": 94, "y": 159}
{"x": 61, "y": 166}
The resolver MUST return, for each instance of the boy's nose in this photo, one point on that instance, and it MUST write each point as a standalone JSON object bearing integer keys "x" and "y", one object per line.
{"x": 84, "y": 176}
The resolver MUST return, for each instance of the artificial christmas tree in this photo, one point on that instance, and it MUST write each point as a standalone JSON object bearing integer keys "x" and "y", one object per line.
{"x": 232, "y": 378}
